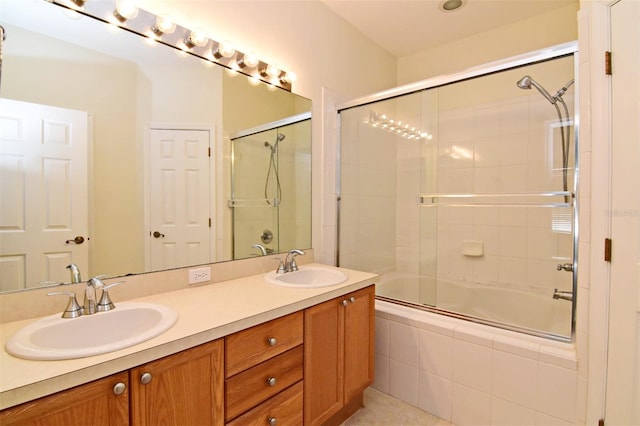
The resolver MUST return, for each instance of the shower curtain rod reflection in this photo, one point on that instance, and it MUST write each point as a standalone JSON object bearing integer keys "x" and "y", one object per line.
{"x": 271, "y": 125}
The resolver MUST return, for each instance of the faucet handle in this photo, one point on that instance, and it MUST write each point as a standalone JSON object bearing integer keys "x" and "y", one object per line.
{"x": 281, "y": 268}
{"x": 73, "y": 309}
{"x": 105, "y": 303}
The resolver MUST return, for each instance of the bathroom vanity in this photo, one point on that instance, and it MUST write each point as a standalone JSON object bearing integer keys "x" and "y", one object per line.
{"x": 242, "y": 352}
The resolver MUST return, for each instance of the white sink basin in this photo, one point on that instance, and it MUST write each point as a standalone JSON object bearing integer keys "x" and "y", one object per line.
{"x": 54, "y": 338}
{"x": 307, "y": 277}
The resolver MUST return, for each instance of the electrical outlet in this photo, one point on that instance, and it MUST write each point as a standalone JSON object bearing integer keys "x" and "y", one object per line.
{"x": 199, "y": 275}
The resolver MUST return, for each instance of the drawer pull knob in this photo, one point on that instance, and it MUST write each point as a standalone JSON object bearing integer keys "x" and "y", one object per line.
{"x": 272, "y": 421}
{"x": 352, "y": 299}
{"x": 272, "y": 341}
{"x": 271, "y": 381}
{"x": 145, "y": 379}
{"x": 344, "y": 302}
{"x": 119, "y": 388}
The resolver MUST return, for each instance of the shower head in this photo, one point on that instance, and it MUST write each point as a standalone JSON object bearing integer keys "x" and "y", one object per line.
{"x": 526, "y": 82}
{"x": 280, "y": 137}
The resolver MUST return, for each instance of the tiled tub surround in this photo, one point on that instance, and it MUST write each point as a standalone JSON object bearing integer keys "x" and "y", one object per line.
{"x": 470, "y": 374}
{"x": 205, "y": 313}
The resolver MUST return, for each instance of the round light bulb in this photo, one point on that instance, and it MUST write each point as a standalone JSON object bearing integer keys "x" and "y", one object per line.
{"x": 126, "y": 9}
{"x": 198, "y": 38}
{"x": 225, "y": 49}
{"x": 250, "y": 60}
{"x": 290, "y": 77}
{"x": 165, "y": 25}
{"x": 273, "y": 70}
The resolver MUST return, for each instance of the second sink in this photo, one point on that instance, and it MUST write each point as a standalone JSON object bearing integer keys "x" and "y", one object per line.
{"x": 308, "y": 277}
{"x": 55, "y": 338}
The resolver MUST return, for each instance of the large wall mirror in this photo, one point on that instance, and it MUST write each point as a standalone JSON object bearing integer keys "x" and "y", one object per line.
{"x": 125, "y": 156}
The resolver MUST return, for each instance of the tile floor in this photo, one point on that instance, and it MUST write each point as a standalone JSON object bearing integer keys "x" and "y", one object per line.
{"x": 381, "y": 409}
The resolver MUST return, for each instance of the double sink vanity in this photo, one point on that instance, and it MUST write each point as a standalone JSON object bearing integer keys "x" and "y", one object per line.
{"x": 293, "y": 348}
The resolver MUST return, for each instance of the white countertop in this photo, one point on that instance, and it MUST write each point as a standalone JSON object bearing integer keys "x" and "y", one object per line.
{"x": 204, "y": 313}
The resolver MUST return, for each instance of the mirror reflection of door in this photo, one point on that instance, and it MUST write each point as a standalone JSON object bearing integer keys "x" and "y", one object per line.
{"x": 43, "y": 187}
{"x": 180, "y": 230}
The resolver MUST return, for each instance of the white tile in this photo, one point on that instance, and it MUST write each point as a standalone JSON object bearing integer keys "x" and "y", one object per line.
{"x": 515, "y": 346}
{"x": 381, "y": 381}
{"x": 544, "y": 420}
{"x": 559, "y": 357}
{"x": 512, "y": 241}
{"x": 470, "y": 407}
{"x": 403, "y": 343}
{"x": 435, "y": 395}
{"x": 403, "y": 382}
{"x": 506, "y": 413}
{"x": 557, "y": 392}
{"x": 473, "y": 334}
{"x": 472, "y": 365}
{"x": 382, "y": 337}
{"x": 515, "y": 378}
{"x": 436, "y": 354}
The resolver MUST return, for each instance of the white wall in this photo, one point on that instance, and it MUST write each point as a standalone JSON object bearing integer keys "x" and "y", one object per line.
{"x": 538, "y": 32}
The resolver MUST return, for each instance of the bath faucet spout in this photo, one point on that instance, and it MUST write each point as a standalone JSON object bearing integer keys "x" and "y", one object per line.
{"x": 564, "y": 295}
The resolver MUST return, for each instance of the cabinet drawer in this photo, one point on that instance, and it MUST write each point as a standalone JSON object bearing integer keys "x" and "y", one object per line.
{"x": 251, "y": 387}
{"x": 285, "y": 409}
{"x": 257, "y": 344}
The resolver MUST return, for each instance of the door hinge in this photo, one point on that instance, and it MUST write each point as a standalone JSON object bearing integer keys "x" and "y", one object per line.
{"x": 607, "y": 249}
{"x": 601, "y": 422}
{"x": 607, "y": 63}
{"x": 209, "y": 151}
{"x": 209, "y": 222}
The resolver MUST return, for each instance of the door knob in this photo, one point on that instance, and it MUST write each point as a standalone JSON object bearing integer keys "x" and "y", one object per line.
{"x": 77, "y": 240}
{"x": 157, "y": 234}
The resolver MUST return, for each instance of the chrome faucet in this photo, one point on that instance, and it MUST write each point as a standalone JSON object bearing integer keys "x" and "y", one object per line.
{"x": 290, "y": 261}
{"x": 91, "y": 305}
{"x": 75, "y": 273}
{"x": 263, "y": 251}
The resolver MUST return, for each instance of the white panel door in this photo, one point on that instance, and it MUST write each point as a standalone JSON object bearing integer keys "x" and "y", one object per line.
{"x": 43, "y": 193}
{"x": 179, "y": 198}
{"x": 623, "y": 369}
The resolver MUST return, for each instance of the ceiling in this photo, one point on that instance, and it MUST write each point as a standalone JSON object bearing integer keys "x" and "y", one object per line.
{"x": 404, "y": 27}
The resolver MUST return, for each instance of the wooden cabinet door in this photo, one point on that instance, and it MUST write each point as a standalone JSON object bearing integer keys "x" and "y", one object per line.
{"x": 324, "y": 356}
{"x": 94, "y": 403}
{"x": 359, "y": 341}
{"x": 186, "y": 388}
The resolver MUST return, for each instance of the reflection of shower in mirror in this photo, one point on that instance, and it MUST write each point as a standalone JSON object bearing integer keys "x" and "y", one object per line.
{"x": 273, "y": 160}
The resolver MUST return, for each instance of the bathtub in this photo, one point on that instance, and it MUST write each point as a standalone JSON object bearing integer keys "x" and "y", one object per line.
{"x": 529, "y": 310}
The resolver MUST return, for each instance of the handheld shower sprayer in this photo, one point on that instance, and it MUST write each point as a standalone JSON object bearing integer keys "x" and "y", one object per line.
{"x": 526, "y": 82}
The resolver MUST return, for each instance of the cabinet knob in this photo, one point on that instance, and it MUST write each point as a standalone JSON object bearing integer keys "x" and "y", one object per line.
{"x": 145, "y": 379}
{"x": 272, "y": 421}
{"x": 119, "y": 388}
{"x": 272, "y": 341}
{"x": 344, "y": 302}
{"x": 352, "y": 299}
{"x": 271, "y": 381}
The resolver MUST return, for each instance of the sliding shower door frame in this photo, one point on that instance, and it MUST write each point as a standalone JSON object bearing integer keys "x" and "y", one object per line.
{"x": 542, "y": 55}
